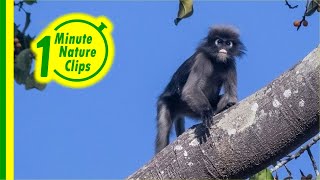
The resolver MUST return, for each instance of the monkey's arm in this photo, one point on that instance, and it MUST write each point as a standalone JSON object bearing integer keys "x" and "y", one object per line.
{"x": 197, "y": 83}
{"x": 230, "y": 96}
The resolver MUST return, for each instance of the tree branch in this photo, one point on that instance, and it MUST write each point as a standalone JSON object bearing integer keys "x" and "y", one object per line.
{"x": 297, "y": 154}
{"x": 290, "y": 6}
{"x": 314, "y": 164}
{"x": 304, "y": 15}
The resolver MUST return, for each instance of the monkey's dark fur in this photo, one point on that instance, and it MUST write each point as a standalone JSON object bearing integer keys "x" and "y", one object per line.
{"x": 194, "y": 88}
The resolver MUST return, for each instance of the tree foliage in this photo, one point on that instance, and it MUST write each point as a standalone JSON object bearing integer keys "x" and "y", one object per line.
{"x": 23, "y": 57}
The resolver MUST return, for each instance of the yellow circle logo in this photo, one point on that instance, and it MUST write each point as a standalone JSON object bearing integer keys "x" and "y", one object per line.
{"x": 76, "y": 50}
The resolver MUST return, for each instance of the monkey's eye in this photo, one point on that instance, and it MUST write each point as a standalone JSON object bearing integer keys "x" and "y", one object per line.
{"x": 218, "y": 42}
{"x": 229, "y": 43}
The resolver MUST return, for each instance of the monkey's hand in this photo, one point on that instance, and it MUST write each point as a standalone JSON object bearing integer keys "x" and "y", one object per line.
{"x": 225, "y": 102}
{"x": 206, "y": 117}
{"x": 229, "y": 104}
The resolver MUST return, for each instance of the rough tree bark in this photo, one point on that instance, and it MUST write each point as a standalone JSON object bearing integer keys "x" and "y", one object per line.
{"x": 249, "y": 136}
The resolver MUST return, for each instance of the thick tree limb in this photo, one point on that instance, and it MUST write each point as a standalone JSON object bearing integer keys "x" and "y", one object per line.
{"x": 249, "y": 136}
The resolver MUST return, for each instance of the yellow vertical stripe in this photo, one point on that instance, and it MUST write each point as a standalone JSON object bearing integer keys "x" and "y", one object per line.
{"x": 9, "y": 92}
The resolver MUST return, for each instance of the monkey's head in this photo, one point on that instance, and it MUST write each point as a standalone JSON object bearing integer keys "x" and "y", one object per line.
{"x": 223, "y": 43}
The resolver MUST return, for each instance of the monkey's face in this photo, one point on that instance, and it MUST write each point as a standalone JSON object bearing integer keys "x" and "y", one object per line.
{"x": 224, "y": 44}
{"x": 223, "y": 49}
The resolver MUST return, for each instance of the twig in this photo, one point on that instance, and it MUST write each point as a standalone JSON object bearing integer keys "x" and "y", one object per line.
{"x": 288, "y": 171}
{"x": 28, "y": 14}
{"x": 27, "y": 22}
{"x": 297, "y": 154}
{"x": 313, "y": 162}
{"x": 304, "y": 177}
{"x": 289, "y": 177}
{"x": 304, "y": 16}
{"x": 20, "y": 4}
{"x": 277, "y": 177}
{"x": 289, "y": 5}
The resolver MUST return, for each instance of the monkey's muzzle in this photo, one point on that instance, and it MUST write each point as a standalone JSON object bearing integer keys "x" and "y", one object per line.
{"x": 223, "y": 51}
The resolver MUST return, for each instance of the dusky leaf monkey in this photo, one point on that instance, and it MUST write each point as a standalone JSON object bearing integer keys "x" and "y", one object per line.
{"x": 194, "y": 89}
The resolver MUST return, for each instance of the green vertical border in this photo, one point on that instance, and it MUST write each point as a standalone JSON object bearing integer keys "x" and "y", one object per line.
{"x": 3, "y": 89}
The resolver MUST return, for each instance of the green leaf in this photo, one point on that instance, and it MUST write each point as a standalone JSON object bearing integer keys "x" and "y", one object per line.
{"x": 27, "y": 22}
{"x": 262, "y": 175}
{"x": 185, "y": 10}
{"x": 30, "y": 2}
{"x": 318, "y": 177}
{"x": 22, "y": 66}
{"x": 318, "y": 2}
{"x": 20, "y": 76}
{"x": 23, "y": 60}
{"x": 32, "y": 83}
{"x": 313, "y": 6}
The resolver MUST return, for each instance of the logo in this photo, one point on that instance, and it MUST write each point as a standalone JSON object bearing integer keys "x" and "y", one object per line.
{"x": 76, "y": 50}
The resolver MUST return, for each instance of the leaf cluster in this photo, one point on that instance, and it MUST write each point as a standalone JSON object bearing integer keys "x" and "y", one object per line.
{"x": 23, "y": 57}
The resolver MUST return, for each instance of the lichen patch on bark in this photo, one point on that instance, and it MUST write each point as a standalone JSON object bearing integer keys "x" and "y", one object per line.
{"x": 194, "y": 142}
{"x": 301, "y": 103}
{"x": 276, "y": 103}
{"x": 287, "y": 93}
{"x": 178, "y": 148}
{"x": 243, "y": 117}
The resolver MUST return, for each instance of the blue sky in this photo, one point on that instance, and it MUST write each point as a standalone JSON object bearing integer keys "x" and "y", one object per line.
{"x": 108, "y": 130}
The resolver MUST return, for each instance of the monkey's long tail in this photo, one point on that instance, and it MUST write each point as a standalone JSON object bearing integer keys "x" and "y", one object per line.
{"x": 164, "y": 123}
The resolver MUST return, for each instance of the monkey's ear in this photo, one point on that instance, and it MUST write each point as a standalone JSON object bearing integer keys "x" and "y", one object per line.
{"x": 241, "y": 48}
